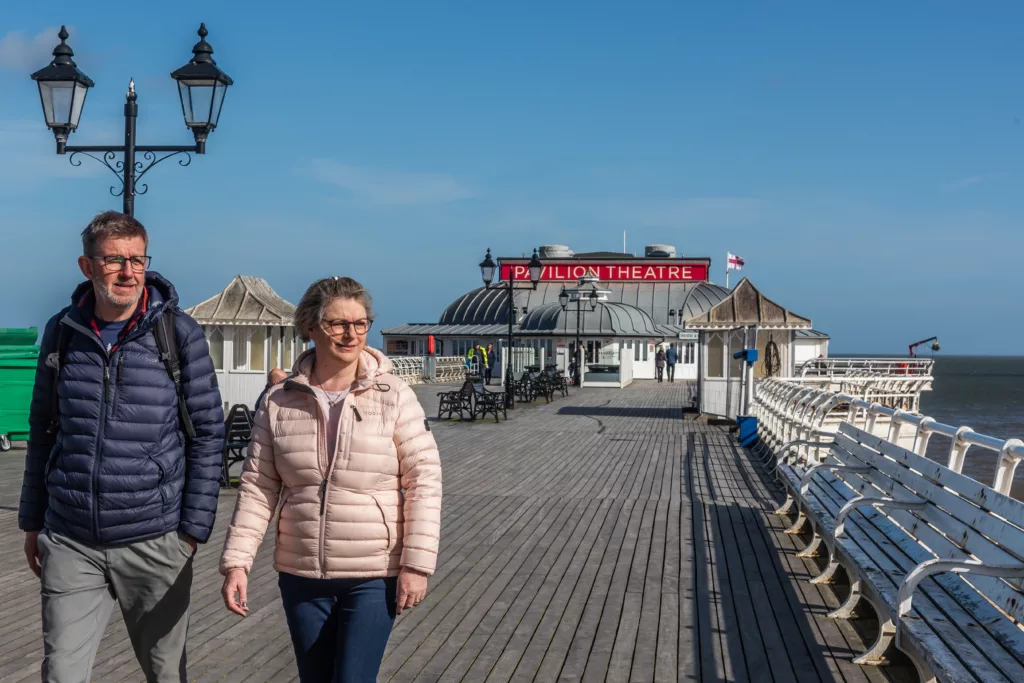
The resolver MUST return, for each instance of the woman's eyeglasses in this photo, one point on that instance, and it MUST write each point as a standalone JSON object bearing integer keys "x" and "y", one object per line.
{"x": 338, "y": 328}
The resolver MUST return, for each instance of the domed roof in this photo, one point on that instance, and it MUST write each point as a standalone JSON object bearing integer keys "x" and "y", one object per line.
{"x": 702, "y": 299}
{"x": 684, "y": 300}
{"x": 609, "y": 318}
{"x": 478, "y": 307}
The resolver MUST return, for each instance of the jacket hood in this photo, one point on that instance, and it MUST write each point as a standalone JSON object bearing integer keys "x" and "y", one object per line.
{"x": 160, "y": 294}
{"x": 372, "y": 364}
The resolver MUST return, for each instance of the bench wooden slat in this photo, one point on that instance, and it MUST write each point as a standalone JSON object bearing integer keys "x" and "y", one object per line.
{"x": 953, "y": 627}
{"x": 933, "y": 527}
{"x": 958, "y": 539}
{"x": 984, "y": 497}
{"x": 865, "y": 549}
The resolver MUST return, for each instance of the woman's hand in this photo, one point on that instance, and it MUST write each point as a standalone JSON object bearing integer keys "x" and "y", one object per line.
{"x": 412, "y": 588}
{"x": 235, "y": 584}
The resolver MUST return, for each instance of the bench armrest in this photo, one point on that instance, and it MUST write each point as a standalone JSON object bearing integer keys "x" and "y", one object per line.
{"x": 876, "y": 501}
{"x": 805, "y": 481}
{"x": 939, "y": 566}
{"x": 783, "y": 455}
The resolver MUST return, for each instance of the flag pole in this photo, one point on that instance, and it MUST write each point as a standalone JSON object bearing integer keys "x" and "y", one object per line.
{"x": 727, "y": 271}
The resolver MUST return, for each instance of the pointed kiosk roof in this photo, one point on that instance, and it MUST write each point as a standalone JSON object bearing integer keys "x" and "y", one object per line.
{"x": 747, "y": 306}
{"x": 247, "y": 300}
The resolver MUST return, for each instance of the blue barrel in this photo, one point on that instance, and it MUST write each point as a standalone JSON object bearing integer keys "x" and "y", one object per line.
{"x": 748, "y": 430}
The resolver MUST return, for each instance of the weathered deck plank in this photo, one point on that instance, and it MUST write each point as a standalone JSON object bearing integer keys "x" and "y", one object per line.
{"x": 602, "y": 537}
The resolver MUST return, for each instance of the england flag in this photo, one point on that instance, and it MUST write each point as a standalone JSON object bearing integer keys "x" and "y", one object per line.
{"x": 735, "y": 262}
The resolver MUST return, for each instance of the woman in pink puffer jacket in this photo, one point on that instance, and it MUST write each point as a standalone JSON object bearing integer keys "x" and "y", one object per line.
{"x": 343, "y": 446}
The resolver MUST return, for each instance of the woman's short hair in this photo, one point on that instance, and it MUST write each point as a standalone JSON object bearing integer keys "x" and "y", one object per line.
{"x": 310, "y": 311}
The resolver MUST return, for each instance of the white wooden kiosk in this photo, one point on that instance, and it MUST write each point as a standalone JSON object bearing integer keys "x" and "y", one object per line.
{"x": 744, "y": 319}
{"x": 249, "y": 329}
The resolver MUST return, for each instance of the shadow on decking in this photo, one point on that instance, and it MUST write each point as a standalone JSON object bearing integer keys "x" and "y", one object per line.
{"x": 743, "y": 548}
{"x": 622, "y": 411}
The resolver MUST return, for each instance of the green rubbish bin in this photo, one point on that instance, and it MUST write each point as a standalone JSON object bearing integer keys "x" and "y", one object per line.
{"x": 18, "y": 357}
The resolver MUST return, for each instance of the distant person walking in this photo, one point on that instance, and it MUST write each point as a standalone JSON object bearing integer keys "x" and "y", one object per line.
{"x": 659, "y": 363}
{"x": 343, "y": 446}
{"x": 489, "y": 372}
{"x": 671, "y": 356}
{"x": 123, "y": 465}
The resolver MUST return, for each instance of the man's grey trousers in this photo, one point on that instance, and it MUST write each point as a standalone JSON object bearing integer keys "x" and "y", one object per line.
{"x": 151, "y": 580}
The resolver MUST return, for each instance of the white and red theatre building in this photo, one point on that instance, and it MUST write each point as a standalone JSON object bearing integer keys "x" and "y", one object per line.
{"x": 658, "y": 299}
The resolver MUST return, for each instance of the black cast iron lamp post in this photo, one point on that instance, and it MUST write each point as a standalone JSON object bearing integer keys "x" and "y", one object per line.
{"x": 62, "y": 90}
{"x": 563, "y": 301}
{"x": 487, "y": 268}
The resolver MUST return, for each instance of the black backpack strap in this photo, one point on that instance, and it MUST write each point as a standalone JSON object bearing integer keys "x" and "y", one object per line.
{"x": 167, "y": 345}
{"x": 55, "y": 360}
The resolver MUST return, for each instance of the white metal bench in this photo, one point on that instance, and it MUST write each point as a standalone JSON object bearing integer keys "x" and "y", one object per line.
{"x": 938, "y": 555}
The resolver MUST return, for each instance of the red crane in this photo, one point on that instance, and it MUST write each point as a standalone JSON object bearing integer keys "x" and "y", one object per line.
{"x": 933, "y": 340}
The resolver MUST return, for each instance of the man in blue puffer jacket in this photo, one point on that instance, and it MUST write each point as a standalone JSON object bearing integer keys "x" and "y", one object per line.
{"x": 115, "y": 495}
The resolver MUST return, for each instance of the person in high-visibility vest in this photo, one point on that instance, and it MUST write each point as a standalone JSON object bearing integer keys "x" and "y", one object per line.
{"x": 477, "y": 357}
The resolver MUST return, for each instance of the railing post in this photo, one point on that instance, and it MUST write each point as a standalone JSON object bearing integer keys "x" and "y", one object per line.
{"x": 958, "y": 450}
{"x": 1008, "y": 461}
{"x": 923, "y": 436}
{"x": 898, "y": 422}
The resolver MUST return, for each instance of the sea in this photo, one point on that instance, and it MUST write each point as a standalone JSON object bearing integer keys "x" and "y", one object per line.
{"x": 985, "y": 393}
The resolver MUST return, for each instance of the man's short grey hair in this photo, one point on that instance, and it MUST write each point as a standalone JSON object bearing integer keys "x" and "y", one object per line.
{"x": 111, "y": 224}
{"x": 310, "y": 311}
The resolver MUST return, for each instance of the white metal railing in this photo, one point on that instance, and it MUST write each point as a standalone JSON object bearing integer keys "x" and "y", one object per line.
{"x": 522, "y": 356}
{"x": 429, "y": 369}
{"x": 902, "y": 392}
{"x": 409, "y": 368}
{"x": 795, "y": 411}
{"x": 448, "y": 369}
{"x": 844, "y": 367}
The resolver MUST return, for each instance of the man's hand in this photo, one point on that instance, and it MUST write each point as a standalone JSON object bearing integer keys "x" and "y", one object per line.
{"x": 192, "y": 543}
{"x": 235, "y": 585}
{"x": 32, "y": 552}
{"x": 412, "y": 588}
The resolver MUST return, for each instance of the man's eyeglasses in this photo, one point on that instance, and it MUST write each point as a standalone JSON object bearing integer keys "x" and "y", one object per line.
{"x": 337, "y": 328}
{"x": 113, "y": 264}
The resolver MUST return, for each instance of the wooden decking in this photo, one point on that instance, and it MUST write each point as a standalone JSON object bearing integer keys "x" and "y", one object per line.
{"x": 602, "y": 537}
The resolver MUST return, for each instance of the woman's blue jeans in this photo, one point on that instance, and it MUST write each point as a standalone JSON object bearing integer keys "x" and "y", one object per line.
{"x": 339, "y": 627}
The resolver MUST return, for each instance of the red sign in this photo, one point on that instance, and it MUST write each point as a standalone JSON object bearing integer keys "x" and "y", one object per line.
{"x": 611, "y": 272}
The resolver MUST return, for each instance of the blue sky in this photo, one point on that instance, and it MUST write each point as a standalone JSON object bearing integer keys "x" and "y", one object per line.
{"x": 866, "y": 159}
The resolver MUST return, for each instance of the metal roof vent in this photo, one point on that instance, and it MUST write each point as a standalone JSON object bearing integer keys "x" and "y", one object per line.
{"x": 660, "y": 250}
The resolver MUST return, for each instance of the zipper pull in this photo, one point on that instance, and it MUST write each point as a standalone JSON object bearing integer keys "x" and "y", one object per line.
{"x": 106, "y": 383}
{"x": 359, "y": 418}
{"x": 323, "y": 497}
